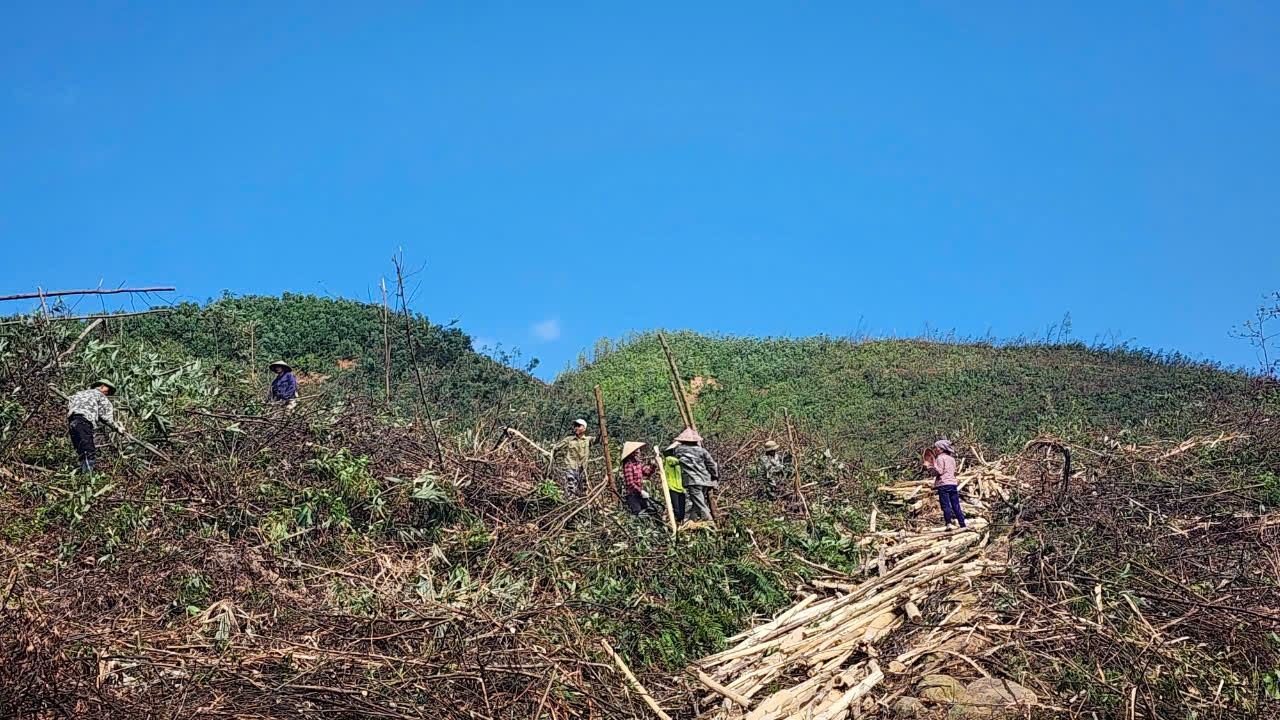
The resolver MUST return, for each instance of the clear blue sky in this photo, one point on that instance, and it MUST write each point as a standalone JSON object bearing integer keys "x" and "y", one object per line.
{"x": 746, "y": 167}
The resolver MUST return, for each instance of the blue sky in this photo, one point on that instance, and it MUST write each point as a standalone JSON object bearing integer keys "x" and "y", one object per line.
{"x": 567, "y": 173}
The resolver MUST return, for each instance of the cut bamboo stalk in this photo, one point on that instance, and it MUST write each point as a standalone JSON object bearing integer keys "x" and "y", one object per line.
{"x": 635, "y": 684}
{"x": 682, "y": 399}
{"x": 666, "y": 493}
{"x": 913, "y": 613}
{"x": 855, "y": 693}
{"x": 722, "y": 690}
{"x": 795, "y": 463}
{"x": 604, "y": 443}
{"x": 516, "y": 433}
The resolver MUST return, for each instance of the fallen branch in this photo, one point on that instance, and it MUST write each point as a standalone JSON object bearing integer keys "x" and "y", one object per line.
{"x": 99, "y": 291}
{"x": 635, "y": 684}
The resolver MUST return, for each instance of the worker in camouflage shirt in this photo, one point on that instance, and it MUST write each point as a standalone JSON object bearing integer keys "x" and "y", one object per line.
{"x": 86, "y": 409}
{"x": 771, "y": 468}
{"x": 569, "y": 459}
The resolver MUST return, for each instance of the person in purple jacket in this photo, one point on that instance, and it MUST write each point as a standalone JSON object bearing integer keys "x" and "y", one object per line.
{"x": 284, "y": 389}
{"x": 944, "y": 480}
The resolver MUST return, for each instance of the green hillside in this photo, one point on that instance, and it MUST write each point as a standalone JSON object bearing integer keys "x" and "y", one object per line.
{"x": 339, "y": 344}
{"x": 883, "y": 398}
{"x": 339, "y": 561}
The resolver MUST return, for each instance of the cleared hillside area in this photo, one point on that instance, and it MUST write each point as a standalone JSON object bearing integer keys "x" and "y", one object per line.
{"x": 350, "y": 557}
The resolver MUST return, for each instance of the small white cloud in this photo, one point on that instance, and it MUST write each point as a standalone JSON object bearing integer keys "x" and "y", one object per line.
{"x": 547, "y": 330}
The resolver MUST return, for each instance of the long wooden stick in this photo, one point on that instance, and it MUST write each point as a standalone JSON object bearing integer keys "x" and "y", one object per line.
{"x": 72, "y": 346}
{"x": 795, "y": 463}
{"x": 386, "y": 345}
{"x": 686, "y": 410}
{"x": 604, "y": 443}
{"x": 516, "y": 433}
{"x": 107, "y": 316}
{"x": 635, "y": 684}
{"x": 710, "y": 682}
{"x": 666, "y": 492}
{"x": 686, "y": 413}
{"x": 675, "y": 393}
{"x": 253, "y": 356}
{"x": 99, "y": 291}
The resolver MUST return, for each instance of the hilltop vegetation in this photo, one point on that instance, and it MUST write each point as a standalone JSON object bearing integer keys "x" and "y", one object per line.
{"x": 338, "y": 562}
{"x": 338, "y": 345}
{"x": 876, "y": 399}
{"x": 887, "y": 398}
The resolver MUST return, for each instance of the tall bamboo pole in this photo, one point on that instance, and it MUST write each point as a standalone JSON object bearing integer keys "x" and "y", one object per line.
{"x": 795, "y": 463}
{"x": 681, "y": 398}
{"x": 666, "y": 491}
{"x": 604, "y": 442}
{"x": 675, "y": 393}
{"x": 386, "y": 346}
{"x": 686, "y": 410}
{"x": 253, "y": 356}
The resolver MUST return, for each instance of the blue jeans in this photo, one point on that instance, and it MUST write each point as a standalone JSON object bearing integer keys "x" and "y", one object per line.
{"x": 949, "y": 499}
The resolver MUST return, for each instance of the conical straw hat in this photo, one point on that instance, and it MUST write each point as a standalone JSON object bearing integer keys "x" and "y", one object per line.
{"x": 630, "y": 447}
{"x": 689, "y": 435}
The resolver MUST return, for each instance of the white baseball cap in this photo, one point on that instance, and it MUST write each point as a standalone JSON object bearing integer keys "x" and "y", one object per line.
{"x": 581, "y": 422}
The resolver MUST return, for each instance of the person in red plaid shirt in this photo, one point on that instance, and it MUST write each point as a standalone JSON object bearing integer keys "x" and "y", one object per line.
{"x": 634, "y": 471}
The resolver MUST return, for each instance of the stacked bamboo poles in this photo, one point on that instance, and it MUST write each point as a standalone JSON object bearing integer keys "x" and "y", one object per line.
{"x": 822, "y": 651}
{"x": 829, "y": 643}
{"x": 979, "y": 486}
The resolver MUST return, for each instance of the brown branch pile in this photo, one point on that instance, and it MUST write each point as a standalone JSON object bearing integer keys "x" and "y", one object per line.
{"x": 1149, "y": 588}
{"x": 316, "y": 624}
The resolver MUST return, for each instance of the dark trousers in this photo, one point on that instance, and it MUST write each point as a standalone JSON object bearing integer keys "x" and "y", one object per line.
{"x": 949, "y": 499}
{"x": 677, "y": 505}
{"x": 635, "y": 502}
{"x": 81, "y": 431}
{"x": 699, "y": 498}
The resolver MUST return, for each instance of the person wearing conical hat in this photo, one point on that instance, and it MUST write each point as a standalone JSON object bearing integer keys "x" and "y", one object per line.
{"x": 698, "y": 471}
{"x": 634, "y": 470}
{"x": 770, "y": 468}
{"x": 284, "y": 389}
{"x": 86, "y": 409}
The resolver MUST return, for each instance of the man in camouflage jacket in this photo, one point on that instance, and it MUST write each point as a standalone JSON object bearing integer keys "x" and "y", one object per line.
{"x": 86, "y": 409}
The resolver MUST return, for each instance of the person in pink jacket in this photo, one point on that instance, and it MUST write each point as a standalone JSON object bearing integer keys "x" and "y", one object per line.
{"x": 944, "y": 480}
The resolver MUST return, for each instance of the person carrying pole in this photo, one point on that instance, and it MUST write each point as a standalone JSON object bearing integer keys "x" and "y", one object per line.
{"x": 944, "y": 480}
{"x": 569, "y": 456}
{"x": 675, "y": 483}
{"x": 284, "y": 389}
{"x": 698, "y": 472}
{"x": 86, "y": 409}
{"x": 634, "y": 471}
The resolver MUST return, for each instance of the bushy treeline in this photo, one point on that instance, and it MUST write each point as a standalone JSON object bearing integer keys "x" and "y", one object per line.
{"x": 882, "y": 398}
{"x": 342, "y": 340}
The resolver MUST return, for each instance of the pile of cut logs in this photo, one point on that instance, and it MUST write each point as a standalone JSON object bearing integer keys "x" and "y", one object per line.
{"x": 822, "y": 651}
{"x": 979, "y": 486}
